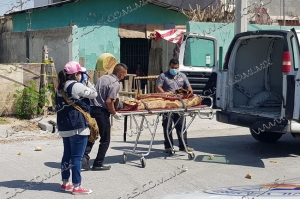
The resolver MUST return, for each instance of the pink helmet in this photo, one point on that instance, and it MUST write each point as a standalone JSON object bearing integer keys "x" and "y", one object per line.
{"x": 73, "y": 67}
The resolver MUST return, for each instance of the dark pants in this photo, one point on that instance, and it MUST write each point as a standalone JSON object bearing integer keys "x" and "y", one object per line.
{"x": 174, "y": 118}
{"x": 102, "y": 117}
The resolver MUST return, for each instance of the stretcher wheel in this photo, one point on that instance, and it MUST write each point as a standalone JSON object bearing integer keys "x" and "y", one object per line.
{"x": 124, "y": 158}
{"x": 191, "y": 156}
{"x": 143, "y": 162}
{"x": 171, "y": 152}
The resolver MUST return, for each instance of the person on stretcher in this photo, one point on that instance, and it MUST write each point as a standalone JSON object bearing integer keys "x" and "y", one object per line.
{"x": 166, "y": 100}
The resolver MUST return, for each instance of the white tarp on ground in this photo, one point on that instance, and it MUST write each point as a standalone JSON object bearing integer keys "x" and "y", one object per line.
{"x": 279, "y": 190}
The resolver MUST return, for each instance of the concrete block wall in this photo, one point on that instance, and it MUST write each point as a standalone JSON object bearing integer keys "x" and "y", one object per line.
{"x": 6, "y": 24}
{"x": 13, "y": 77}
{"x": 12, "y": 47}
{"x": 58, "y": 41}
{"x": 8, "y": 89}
{"x": 15, "y": 47}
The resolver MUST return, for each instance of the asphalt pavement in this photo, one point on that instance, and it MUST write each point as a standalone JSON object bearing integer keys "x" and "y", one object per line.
{"x": 35, "y": 174}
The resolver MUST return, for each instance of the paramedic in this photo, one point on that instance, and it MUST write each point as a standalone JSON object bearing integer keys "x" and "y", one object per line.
{"x": 172, "y": 80}
{"x": 107, "y": 88}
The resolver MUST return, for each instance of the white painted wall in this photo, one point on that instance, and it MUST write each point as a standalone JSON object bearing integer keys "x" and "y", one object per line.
{"x": 38, "y": 3}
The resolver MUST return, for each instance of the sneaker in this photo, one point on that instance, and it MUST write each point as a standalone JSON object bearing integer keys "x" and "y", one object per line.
{"x": 85, "y": 164}
{"x": 67, "y": 187}
{"x": 189, "y": 149}
{"x": 81, "y": 191}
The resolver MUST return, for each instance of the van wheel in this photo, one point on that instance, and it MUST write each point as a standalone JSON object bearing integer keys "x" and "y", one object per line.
{"x": 266, "y": 136}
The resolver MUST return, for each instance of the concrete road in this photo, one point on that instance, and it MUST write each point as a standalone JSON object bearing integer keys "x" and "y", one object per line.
{"x": 36, "y": 174}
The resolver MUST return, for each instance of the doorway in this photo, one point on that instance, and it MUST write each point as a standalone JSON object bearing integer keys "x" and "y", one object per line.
{"x": 133, "y": 51}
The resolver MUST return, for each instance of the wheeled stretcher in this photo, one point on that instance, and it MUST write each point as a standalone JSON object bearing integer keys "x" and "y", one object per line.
{"x": 137, "y": 128}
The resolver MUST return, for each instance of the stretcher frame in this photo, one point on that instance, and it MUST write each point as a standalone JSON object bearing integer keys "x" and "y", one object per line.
{"x": 183, "y": 112}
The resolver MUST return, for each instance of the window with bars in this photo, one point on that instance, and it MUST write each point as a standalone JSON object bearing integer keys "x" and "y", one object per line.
{"x": 133, "y": 51}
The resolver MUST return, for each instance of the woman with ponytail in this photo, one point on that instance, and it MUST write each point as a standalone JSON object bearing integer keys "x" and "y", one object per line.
{"x": 71, "y": 123}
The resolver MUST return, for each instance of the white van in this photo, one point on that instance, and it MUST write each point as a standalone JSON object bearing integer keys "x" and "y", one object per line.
{"x": 298, "y": 33}
{"x": 259, "y": 85}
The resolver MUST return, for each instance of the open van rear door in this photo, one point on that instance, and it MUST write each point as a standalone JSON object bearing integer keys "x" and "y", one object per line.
{"x": 290, "y": 67}
{"x": 198, "y": 53}
{"x": 198, "y": 60}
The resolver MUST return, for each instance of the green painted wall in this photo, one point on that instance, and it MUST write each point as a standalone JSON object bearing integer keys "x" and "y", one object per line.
{"x": 224, "y": 33}
{"x": 95, "y": 29}
{"x": 95, "y": 43}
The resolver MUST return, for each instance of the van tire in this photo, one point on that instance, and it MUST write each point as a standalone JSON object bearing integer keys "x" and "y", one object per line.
{"x": 266, "y": 136}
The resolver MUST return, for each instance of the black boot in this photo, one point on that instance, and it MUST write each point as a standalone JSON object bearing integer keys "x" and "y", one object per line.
{"x": 85, "y": 164}
{"x": 101, "y": 168}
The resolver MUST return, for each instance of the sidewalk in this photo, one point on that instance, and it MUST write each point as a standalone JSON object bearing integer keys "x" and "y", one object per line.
{"x": 26, "y": 131}
{"x": 14, "y": 130}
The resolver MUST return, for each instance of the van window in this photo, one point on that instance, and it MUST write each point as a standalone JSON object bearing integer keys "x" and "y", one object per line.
{"x": 199, "y": 52}
{"x": 295, "y": 49}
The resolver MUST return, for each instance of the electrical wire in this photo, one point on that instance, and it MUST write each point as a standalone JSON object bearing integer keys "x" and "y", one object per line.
{"x": 182, "y": 3}
{"x": 209, "y": 4}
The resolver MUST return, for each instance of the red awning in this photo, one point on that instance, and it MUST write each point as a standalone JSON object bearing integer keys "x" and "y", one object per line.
{"x": 172, "y": 35}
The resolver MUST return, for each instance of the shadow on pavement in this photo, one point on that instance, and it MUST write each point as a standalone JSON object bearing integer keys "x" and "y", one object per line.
{"x": 156, "y": 142}
{"x": 155, "y": 153}
{"x": 241, "y": 150}
{"x": 20, "y": 186}
{"x": 56, "y": 165}
{"x": 118, "y": 159}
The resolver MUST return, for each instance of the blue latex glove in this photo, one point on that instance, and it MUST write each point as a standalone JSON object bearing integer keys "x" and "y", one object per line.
{"x": 84, "y": 77}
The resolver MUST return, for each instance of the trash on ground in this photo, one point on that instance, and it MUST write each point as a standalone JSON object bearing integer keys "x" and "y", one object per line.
{"x": 249, "y": 176}
{"x": 38, "y": 148}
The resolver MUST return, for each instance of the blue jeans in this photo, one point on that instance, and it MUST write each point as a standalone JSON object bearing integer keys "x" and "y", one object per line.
{"x": 74, "y": 147}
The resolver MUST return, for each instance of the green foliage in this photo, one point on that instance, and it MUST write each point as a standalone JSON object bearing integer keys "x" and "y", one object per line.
{"x": 30, "y": 102}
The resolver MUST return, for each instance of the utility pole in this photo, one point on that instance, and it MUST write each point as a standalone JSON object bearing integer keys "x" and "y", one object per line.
{"x": 283, "y": 5}
{"x": 240, "y": 22}
{"x": 21, "y": 4}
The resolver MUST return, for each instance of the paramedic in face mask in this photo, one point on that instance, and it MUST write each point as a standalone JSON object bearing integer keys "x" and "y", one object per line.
{"x": 172, "y": 80}
{"x": 102, "y": 107}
